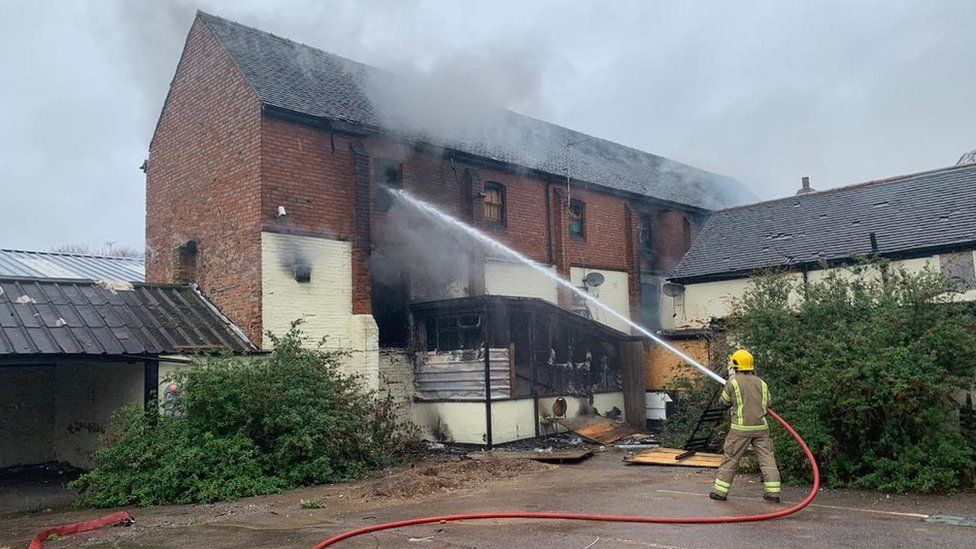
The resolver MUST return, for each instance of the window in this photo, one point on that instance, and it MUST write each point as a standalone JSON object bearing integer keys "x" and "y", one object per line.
{"x": 452, "y": 333}
{"x": 386, "y": 174}
{"x": 959, "y": 267}
{"x": 577, "y": 219}
{"x": 494, "y": 203}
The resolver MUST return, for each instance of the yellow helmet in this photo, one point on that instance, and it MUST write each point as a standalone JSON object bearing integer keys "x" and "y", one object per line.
{"x": 742, "y": 361}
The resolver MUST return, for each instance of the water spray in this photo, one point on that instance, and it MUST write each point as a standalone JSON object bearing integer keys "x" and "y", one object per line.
{"x": 435, "y": 213}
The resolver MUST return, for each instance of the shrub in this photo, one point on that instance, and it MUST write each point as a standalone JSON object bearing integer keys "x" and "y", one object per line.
{"x": 248, "y": 426}
{"x": 864, "y": 364}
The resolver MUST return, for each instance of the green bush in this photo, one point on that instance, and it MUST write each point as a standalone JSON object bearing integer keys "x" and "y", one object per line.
{"x": 864, "y": 363}
{"x": 248, "y": 426}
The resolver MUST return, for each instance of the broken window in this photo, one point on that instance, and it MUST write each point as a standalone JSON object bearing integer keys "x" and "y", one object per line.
{"x": 455, "y": 332}
{"x": 494, "y": 203}
{"x": 577, "y": 219}
{"x": 959, "y": 266}
{"x": 386, "y": 175}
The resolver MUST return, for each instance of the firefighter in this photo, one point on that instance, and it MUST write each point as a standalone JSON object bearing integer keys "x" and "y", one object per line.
{"x": 748, "y": 399}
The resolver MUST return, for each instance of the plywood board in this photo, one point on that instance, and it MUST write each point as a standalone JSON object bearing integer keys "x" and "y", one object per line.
{"x": 666, "y": 456}
{"x": 555, "y": 456}
{"x": 597, "y": 428}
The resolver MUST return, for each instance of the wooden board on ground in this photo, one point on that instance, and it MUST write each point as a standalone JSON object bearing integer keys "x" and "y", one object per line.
{"x": 597, "y": 428}
{"x": 665, "y": 456}
{"x": 568, "y": 455}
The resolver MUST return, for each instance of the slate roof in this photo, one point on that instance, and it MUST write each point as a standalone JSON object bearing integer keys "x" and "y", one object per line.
{"x": 301, "y": 79}
{"x": 77, "y": 317}
{"x": 928, "y": 210}
{"x": 61, "y": 265}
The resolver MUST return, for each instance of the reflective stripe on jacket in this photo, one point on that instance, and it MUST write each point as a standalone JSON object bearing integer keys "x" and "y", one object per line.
{"x": 749, "y": 399}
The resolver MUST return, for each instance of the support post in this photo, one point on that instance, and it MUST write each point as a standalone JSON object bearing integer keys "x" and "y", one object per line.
{"x": 486, "y": 330}
{"x": 150, "y": 383}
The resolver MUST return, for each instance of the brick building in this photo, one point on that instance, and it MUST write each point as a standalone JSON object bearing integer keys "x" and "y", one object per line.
{"x": 265, "y": 187}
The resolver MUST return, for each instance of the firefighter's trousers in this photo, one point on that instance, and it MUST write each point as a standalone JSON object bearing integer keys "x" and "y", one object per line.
{"x": 736, "y": 444}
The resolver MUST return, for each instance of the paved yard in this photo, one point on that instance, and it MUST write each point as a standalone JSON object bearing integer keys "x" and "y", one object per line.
{"x": 601, "y": 484}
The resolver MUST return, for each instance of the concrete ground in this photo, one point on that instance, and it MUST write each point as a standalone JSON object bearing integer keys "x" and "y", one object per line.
{"x": 600, "y": 485}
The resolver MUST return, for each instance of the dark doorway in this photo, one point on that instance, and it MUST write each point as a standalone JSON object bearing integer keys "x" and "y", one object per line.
{"x": 390, "y": 297}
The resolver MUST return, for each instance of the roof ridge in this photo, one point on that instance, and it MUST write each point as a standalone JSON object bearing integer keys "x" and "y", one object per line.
{"x": 289, "y": 40}
{"x": 505, "y": 110}
{"x": 882, "y": 181}
{"x": 74, "y": 254}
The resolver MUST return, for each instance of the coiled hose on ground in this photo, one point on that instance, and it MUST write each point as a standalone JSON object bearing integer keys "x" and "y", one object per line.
{"x": 605, "y": 518}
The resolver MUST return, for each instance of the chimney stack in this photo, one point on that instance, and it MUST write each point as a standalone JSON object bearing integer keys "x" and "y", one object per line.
{"x": 805, "y": 189}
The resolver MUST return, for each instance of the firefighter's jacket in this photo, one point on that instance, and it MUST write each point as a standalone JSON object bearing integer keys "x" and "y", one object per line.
{"x": 748, "y": 397}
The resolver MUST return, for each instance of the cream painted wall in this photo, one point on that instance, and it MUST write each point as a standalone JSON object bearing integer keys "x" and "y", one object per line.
{"x": 324, "y": 303}
{"x": 462, "y": 422}
{"x": 87, "y": 394}
{"x": 513, "y": 279}
{"x": 511, "y": 419}
{"x": 614, "y": 292}
{"x": 702, "y": 302}
{"x": 699, "y": 303}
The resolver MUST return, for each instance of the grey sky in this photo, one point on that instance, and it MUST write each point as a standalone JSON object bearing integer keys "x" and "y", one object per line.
{"x": 762, "y": 91}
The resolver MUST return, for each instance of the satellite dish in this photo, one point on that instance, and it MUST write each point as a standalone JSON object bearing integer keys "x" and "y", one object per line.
{"x": 594, "y": 279}
{"x": 672, "y": 289}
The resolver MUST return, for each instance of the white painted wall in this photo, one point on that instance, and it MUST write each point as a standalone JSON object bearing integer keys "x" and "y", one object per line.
{"x": 397, "y": 380}
{"x": 614, "y": 292}
{"x": 704, "y": 301}
{"x": 511, "y": 419}
{"x": 514, "y": 279}
{"x": 59, "y": 412}
{"x": 87, "y": 394}
{"x": 324, "y": 303}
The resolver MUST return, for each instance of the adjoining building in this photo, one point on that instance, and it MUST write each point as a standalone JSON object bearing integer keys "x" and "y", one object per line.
{"x": 34, "y": 264}
{"x": 74, "y": 350}
{"x": 266, "y": 184}
{"x": 919, "y": 220}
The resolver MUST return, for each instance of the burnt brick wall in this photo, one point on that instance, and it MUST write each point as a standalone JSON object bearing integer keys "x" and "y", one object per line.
{"x": 202, "y": 181}
{"x": 672, "y": 232}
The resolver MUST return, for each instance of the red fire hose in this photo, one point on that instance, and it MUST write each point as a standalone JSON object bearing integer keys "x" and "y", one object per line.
{"x": 66, "y": 529}
{"x": 605, "y": 518}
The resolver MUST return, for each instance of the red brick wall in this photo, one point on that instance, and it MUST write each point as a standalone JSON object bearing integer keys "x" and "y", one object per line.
{"x": 606, "y": 232}
{"x": 301, "y": 171}
{"x": 202, "y": 181}
{"x": 218, "y": 171}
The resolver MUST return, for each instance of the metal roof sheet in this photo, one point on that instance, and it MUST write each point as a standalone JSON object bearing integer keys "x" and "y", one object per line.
{"x": 25, "y": 263}
{"x": 911, "y": 212}
{"x": 301, "y": 79}
{"x": 51, "y": 317}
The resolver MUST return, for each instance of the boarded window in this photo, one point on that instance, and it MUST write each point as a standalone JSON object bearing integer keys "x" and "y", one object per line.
{"x": 386, "y": 174}
{"x": 959, "y": 266}
{"x": 577, "y": 219}
{"x": 494, "y": 203}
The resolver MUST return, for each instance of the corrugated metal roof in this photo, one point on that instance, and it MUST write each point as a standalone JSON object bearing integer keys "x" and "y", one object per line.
{"x": 24, "y": 263}
{"x": 906, "y": 213}
{"x": 52, "y": 317}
